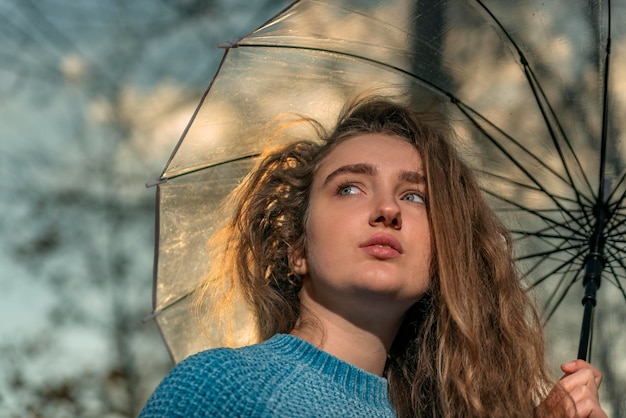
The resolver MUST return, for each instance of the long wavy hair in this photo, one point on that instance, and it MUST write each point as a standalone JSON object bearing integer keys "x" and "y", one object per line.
{"x": 472, "y": 347}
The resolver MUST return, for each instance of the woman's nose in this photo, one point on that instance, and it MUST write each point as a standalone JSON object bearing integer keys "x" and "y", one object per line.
{"x": 387, "y": 213}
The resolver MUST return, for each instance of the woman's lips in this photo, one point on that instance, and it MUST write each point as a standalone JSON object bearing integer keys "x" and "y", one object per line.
{"x": 382, "y": 246}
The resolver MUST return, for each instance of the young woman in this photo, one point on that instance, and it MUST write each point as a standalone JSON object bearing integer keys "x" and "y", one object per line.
{"x": 381, "y": 284}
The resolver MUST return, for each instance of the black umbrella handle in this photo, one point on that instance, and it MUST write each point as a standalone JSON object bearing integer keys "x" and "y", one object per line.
{"x": 586, "y": 332}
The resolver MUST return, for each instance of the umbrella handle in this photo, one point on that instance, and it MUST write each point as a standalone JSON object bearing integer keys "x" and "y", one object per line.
{"x": 589, "y": 302}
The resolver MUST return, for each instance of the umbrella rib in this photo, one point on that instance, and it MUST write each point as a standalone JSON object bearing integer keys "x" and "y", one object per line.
{"x": 539, "y": 93}
{"x": 617, "y": 241}
{"x": 538, "y": 214}
{"x": 615, "y": 188}
{"x": 543, "y": 102}
{"x": 617, "y": 282}
{"x": 614, "y": 239}
{"x": 162, "y": 178}
{"x": 425, "y": 82}
{"x": 547, "y": 257}
{"x": 530, "y": 187}
{"x": 569, "y": 271}
{"x": 613, "y": 224}
{"x": 540, "y": 234}
{"x": 546, "y": 238}
{"x": 562, "y": 296}
{"x": 615, "y": 219}
{"x": 523, "y": 210}
{"x": 158, "y": 312}
{"x": 559, "y": 267}
{"x": 195, "y": 170}
{"x": 547, "y": 252}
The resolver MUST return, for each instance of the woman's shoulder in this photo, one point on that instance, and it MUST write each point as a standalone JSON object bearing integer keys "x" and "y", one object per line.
{"x": 206, "y": 363}
{"x": 211, "y": 383}
{"x": 224, "y": 365}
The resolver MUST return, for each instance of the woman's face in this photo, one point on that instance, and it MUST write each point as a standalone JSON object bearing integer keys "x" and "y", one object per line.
{"x": 367, "y": 231}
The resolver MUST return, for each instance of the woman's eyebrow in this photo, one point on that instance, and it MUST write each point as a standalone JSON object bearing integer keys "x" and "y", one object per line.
{"x": 370, "y": 170}
{"x": 361, "y": 168}
{"x": 412, "y": 177}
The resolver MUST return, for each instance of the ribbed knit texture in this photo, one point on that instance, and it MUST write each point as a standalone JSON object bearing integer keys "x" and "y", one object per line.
{"x": 282, "y": 377}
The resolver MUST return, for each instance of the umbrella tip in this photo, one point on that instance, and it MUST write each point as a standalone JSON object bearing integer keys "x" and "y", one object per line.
{"x": 151, "y": 316}
{"x": 155, "y": 182}
{"x": 234, "y": 43}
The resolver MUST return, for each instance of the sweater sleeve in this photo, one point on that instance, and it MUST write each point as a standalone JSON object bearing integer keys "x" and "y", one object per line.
{"x": 203, "y": 385}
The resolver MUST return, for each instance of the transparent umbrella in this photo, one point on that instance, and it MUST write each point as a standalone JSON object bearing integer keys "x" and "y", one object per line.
{"x": 533, "y": 89}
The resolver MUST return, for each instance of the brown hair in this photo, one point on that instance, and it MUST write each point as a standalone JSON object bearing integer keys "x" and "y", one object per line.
{"x": 473, "y": 346}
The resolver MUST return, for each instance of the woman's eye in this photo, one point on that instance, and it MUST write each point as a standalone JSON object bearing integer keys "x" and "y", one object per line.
{"x": 348, "y": 190}
{"x": 414, "y": 197}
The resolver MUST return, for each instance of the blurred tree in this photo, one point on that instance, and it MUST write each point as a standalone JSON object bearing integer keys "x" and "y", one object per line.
{"x": 93, "y": 98}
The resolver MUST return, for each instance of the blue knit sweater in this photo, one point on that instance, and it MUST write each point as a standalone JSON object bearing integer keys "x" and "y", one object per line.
{"x": 282, "y": 377}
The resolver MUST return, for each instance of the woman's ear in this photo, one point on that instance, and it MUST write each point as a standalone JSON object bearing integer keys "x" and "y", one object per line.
{"x": 297, "y": 261}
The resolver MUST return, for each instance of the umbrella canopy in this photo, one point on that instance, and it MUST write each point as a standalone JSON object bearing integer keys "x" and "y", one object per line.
{"x": 534, "y": 90}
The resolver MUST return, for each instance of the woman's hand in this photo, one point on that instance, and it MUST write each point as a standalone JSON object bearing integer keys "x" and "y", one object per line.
{"x": 582, "y": 381}
{"x": 576, "y": 395}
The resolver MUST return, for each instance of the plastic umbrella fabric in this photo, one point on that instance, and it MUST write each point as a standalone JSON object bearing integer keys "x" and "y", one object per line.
{"x": 534, "y": 90}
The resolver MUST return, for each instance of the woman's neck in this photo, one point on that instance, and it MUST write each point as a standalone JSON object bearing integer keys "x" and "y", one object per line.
{"x": 362, "y": 340}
